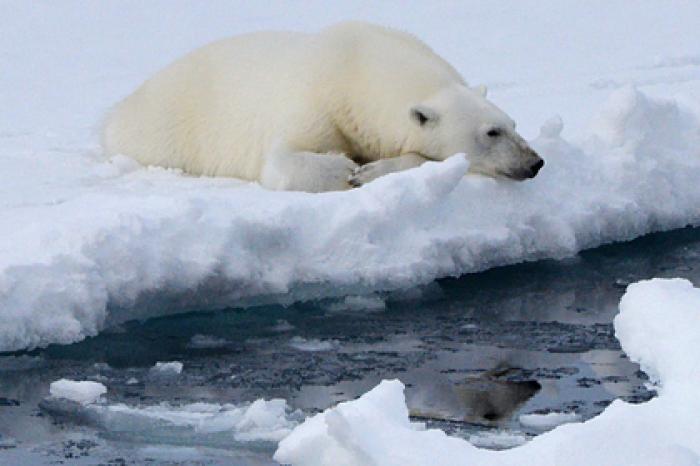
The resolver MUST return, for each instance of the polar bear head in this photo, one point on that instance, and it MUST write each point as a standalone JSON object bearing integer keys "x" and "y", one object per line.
{"x": 460, "y": 119}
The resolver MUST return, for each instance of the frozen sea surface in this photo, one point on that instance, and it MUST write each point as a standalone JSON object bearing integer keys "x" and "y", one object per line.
{"x": 475, "y": 353}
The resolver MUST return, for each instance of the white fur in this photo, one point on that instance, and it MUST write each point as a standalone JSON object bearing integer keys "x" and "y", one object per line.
{"x": 291, "y": 109}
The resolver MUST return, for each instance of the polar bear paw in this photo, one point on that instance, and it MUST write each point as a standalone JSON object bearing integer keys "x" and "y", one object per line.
{"x": 368, "y": 172}
{"x": 333, "y": 173}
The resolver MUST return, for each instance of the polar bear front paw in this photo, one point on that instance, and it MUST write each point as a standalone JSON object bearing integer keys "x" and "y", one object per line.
{"x": 367, "y": 172}
{"x": 334, "y": 172}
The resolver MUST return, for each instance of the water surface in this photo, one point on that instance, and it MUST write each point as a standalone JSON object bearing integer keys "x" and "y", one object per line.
{"x": 475, "y": 353}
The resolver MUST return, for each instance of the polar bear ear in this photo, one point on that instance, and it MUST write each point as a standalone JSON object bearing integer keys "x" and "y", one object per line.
{"x": 424, "y": 116}
{"x": 481, "y": 89}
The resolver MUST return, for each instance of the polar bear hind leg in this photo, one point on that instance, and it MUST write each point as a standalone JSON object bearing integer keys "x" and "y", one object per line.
{"x": 307, "y": 171}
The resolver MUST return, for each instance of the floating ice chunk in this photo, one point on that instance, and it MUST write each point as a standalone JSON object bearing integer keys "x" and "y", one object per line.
{"x": 206, "y": 341}
{"x": 7, "y": 442}
{"x": 193, "y": 423}
{"x": 497, "y": 440}
{"x": 658, "y": 326}
{"x": 84, "y": 392}
{"x": 132, "y": 381}
{"x": 102, "y": 366}
{"x": 358, "y": 303}
{"x": 167, "y": 368}
{"x": 547, "y": 421}
{"x": 263, "y": 420}
{"x": 282, "y": 326}
{"x": 313, "y": 344}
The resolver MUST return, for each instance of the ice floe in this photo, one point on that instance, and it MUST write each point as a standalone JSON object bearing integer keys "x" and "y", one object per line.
{"x": 105, "y": 241}
{"x": 84, "y": 392}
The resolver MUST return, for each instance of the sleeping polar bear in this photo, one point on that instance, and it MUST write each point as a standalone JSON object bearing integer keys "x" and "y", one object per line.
{"x": 314, "y": 112}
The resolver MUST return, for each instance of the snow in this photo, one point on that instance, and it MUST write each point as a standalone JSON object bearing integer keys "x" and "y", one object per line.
{"x": 658, "y": 326}
{"x": 84, "y": 392}
{"x": 548, "y": 420}
{"x": 167, "y": 368}
{"x": 87, "y": 243}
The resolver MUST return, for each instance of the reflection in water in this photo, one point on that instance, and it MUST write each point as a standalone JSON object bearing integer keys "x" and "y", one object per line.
{"x": 474, "y": 352}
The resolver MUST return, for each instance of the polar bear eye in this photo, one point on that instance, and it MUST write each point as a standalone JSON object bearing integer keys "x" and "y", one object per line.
{"x": 493, "y": 132}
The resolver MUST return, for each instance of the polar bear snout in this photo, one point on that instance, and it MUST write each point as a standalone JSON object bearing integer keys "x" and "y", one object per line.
{"x": 535, "y": 168}
{"x": 529, "y": 169}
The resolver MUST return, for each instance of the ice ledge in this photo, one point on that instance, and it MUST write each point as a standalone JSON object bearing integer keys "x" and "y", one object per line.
{"x": 95, "y": 243}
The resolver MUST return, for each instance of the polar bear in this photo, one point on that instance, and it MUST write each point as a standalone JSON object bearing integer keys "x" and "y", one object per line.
{"x": 314, "y": 112}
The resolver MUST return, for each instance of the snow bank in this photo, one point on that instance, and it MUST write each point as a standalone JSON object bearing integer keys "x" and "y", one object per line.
{"x": 86, "y": 243}
{"x": 658, "y": 326}
{"x": 84, "y": 392}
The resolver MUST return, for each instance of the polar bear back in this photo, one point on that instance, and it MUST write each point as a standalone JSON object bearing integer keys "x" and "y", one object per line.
{"x": 219, "y": 110}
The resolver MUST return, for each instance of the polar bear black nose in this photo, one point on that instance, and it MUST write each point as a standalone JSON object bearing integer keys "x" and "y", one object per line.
{"x": 534, "y": 168}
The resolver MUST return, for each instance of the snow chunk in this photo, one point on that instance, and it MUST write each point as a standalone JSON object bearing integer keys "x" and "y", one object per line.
{"x": 658, "y": 326}
{"x": 167, "y": 368}
{"x": 552, "y": 128}
{"x": 84, "y": 392}
{"x": 314, "y": 344}
{"x": 547, "y": 421}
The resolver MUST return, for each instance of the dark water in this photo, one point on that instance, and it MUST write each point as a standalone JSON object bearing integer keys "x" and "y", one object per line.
{"x": 474, "y": 352}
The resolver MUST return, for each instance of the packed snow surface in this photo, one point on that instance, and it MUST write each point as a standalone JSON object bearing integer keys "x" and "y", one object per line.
{"x": 658, "y": 326}
{"x": 88, "y": 242}
{"x": 84, "y": 392}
